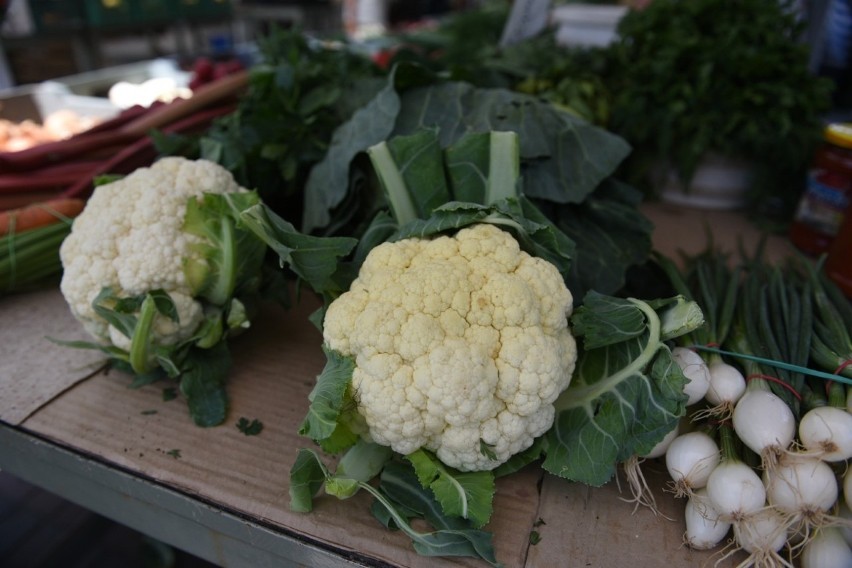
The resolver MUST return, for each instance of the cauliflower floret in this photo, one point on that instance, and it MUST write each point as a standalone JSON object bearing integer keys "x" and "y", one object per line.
{"x": 458, "y": 342}
{"x": 130, "y": 238}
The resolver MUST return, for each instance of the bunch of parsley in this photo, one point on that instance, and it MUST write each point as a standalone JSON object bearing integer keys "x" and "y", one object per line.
{"x": 698, "y": 76}
{"x": 299, "y": 92}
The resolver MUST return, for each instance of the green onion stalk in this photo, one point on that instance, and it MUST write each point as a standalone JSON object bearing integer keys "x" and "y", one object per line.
{"x": 776, "y": 320}
{"x": 29, "y": 259}
{"x": 710, "y": 282}
{"x": 831, "y": 343}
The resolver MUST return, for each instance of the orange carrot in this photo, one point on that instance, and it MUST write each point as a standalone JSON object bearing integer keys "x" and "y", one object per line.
{"x": 39, "y": 214}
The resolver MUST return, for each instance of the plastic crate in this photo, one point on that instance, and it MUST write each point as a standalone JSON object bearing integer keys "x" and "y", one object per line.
{"x": 58, "y": 15}
{"x": 194, "y": 10}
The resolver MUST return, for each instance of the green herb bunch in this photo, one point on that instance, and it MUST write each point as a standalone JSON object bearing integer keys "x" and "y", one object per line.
{"x": 721, "y": 76}
{"x": 300, "y": 91}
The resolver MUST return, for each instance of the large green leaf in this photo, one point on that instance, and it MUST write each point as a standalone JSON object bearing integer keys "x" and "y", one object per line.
{"x": 328, "y": 396}
{"x": 563, "y": 158}
{"x": 453, "y": 536}
{"x": 605, "y": 320}
{"x": 413, "y": 161}
{"x": 468, "y": 163}
{"x": 399, "y": 498}
{"x": 364, "y": 461}
{"x": 313, "y": 259}
{"x": 203, "y": 384}
{"x": 468, "y": 495}
{"x": 624, "y": 397}
{"x": 328, "y": 181}
{"x": 307, "y": 475}
{"x": 118, "y": 312}
{"x": 610, "y": 232}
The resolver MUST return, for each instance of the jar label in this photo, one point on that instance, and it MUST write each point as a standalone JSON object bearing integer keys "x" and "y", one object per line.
{"x": 824, "y": 201}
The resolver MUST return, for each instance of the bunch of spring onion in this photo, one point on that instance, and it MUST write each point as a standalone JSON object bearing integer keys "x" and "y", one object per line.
{"x": 714, "y": 285}
{"x": 764, "y": 469}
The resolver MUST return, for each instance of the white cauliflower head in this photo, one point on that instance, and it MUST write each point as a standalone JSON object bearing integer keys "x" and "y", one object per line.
{"x": 131, "y": 238}
{"x": 461, "y": 345}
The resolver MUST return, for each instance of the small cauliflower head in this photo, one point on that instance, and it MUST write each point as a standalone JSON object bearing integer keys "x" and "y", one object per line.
{"x": 461, "y": 345}
{"x": 129, "y": 238}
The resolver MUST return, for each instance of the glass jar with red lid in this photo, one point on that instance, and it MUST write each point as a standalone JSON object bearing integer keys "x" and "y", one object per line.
{"x": 827, "y": 194}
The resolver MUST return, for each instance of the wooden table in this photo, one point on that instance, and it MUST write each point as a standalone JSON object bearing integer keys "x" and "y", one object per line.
{"x": 223, "y": 496}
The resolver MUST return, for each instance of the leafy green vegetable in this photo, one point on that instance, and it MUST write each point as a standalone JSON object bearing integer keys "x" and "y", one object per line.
{"x": 627, "y": 391}
{"x": 563, "y": 158}
{"x": 398, "y": 498}
{"x": 565, "y": 163}
{"x": 202, "y": 382}
{"x": 328, "y": 181}
{"x": 404, "y": 498}
{"x": 225, "y": 278}
{"x": 298, "y": 94}
{"x": 692, "y": 77}
{"x": 328, "y": 397}
{"x": 610, "y": 235}
{"x": 467, "y": 495}
{"x": 313, "y": 259}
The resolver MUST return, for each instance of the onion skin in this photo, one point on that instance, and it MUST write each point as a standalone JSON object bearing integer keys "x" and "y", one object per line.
{"x": 802, "y": 486}
{"x": 735, "y": 490}
{"x": 827, "y": 431}
{"x": 691, "y": 458}
{"x": 727, "y": 384}
{"x": 704, "y": 527}
{"x": 763, "y": 421}
{"x": 845, "y": 513}
{"x": 827, "y": 549}
{"x": 762, "y": 533}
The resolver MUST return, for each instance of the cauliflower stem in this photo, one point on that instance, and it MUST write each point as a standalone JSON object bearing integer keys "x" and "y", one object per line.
{"x": 140, "y": 342}
{"x": 225, "y": 255}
